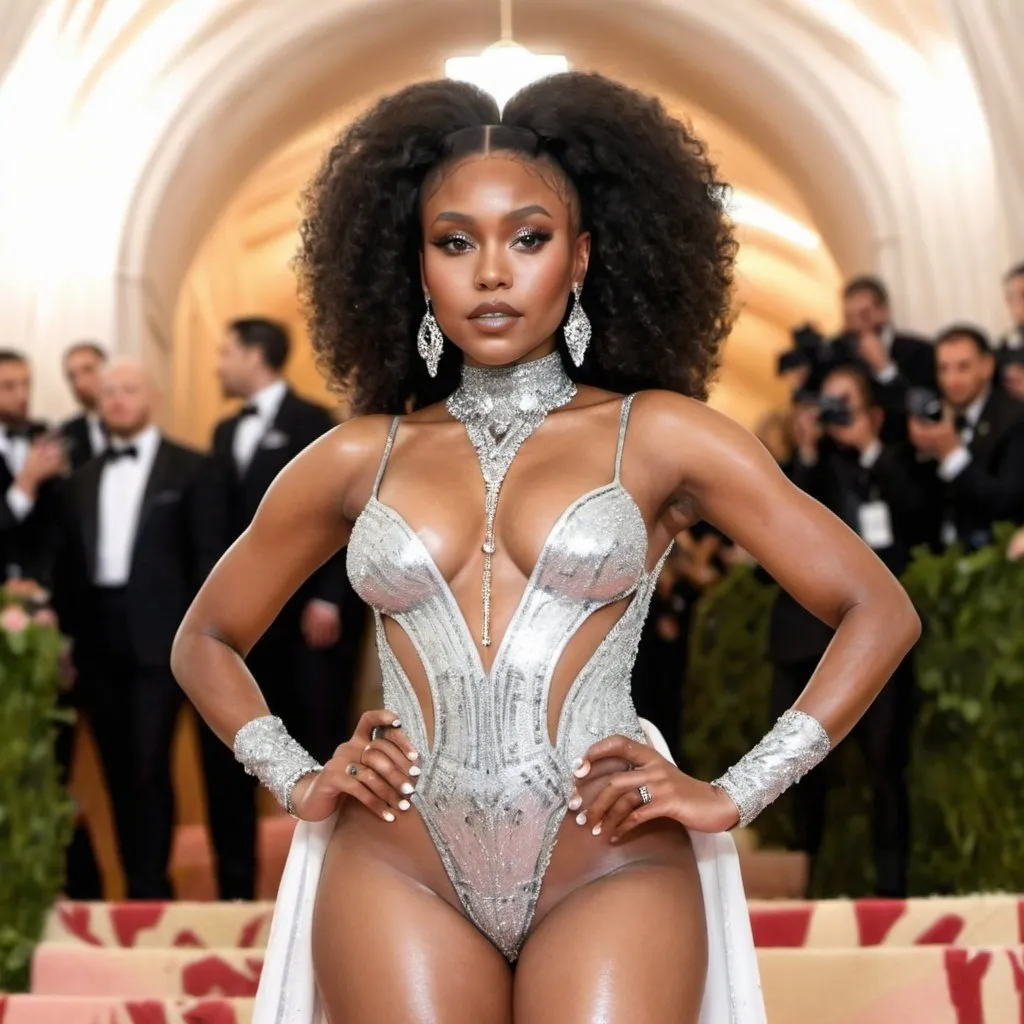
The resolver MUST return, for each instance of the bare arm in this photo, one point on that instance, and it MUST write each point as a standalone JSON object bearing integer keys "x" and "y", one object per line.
{"x": 728, "y": 478}
{"x": 303, "y": 520}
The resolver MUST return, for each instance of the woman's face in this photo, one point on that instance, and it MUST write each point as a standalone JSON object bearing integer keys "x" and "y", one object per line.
{"x": 501, "y": 253}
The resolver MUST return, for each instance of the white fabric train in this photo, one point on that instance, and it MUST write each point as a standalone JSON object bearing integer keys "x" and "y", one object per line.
{"x": 732, "y": 992}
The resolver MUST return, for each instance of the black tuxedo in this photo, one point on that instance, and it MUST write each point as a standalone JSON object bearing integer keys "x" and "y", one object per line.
{"x": 843, "y": 485}
{"x": 310, "y": 689}
{"x": 123, "y": 638}
{"x": 991, "y": 488}
{"x": 27, "y": 545}
{"x": 914, "y": 359}
{"x": 78, "y": 439}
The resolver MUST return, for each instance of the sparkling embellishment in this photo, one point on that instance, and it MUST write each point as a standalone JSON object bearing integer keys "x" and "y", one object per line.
{"x": 494, "y": 790}
{"x": 500, "y": 407}
{"x": 796, "y": 743}
{"x": 265, "y": 750}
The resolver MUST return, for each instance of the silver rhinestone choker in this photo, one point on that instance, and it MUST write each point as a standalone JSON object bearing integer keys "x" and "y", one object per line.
{"x": 500, "y": 407}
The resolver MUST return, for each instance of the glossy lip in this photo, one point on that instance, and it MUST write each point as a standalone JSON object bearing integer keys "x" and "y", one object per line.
{"x": 493, "y": 308}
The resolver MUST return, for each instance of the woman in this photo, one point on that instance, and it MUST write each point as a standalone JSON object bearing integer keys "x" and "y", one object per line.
{"x": 543, "y": 267}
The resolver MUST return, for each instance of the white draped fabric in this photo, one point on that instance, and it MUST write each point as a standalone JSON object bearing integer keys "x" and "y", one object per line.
{"x": 732, "y": 994}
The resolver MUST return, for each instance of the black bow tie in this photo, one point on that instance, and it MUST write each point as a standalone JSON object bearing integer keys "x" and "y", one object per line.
{"x": 961, "y": 423}
{"x": 248, "y": 410}
{"x": 16, "y": 433}
{"x": 128, "y": 452}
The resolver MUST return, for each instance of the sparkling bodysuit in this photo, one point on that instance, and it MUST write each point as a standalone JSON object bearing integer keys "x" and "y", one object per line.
{"x": 494, "y": 791}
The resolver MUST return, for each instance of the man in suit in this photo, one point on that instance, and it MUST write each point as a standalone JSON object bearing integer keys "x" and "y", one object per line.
{"x": 978, "y": 446}
{"x": 895, "y": 360}
{"x": 141, "y": 532}
{"x": 85, "y": 436}
{"x": 303, "y": 670}
{"x": 31, "y": 463}
{"x": 1010, "y": 350}
{"x": 880, "y": 493}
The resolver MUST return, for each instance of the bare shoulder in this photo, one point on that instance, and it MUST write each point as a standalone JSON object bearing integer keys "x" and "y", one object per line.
{"x": 338, "y": 469}
{"x": 689, "y": 436}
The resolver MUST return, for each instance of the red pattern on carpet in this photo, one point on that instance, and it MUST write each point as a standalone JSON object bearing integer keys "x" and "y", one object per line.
{"x": 964, "y": 974}
{"x": 75, "y": 917}
{"x": 876, "y": 917}
{"x": 188, "y": 939}
{"x": 211, "y": 1013}
{"x": 1018, "y": 982}
{"x": 131, "y": 918}
{"x": 943, "y": 932}
{"x": 783, "y": 927}
{"x": 251, "y": 931}
{"x": 3, "y": 1007}
{"x": 146, "y": 1012}
{"x": 214, "y": 976}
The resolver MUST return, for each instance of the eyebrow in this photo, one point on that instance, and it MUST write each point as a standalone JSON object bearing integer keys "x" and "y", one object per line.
{"x": 465, "y": 218}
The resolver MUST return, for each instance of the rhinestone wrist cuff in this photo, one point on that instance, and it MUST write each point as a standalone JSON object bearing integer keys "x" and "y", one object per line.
{"x": 796, "y": 743}
{"x": 265, "y": 750}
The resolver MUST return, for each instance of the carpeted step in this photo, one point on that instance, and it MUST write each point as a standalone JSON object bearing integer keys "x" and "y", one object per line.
{"x": 98, "y": 1010}
{"x": 823, "y": 924}
{"x": 878, "y": 985}
{"x": 66, "y": 970}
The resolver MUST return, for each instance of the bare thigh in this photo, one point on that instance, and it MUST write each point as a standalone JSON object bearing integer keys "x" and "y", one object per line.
{"x": 386, "y": 947}
{"x": 627, "y": 948}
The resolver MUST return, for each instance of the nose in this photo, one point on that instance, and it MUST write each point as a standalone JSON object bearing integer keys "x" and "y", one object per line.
{"x": 493, "y": 269}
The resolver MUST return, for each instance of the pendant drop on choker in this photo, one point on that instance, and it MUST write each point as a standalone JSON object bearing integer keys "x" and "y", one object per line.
{"x": 500, "y": 407}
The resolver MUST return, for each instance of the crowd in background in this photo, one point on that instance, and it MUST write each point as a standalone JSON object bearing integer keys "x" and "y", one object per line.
{"x": 911, "y": 441}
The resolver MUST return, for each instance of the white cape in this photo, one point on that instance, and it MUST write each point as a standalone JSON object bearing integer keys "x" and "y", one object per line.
{"x": 732, "y": 993}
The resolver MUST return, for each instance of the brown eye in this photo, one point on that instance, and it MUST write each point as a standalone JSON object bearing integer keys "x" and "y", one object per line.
{"x": 454, "y": 244}
{"x": 531, "y": 240}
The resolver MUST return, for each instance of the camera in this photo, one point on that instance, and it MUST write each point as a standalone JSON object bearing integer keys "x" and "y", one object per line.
{"x": 834, "y": 411}
{"x": 809, "y": 350}
{"x": 924, "y": 404}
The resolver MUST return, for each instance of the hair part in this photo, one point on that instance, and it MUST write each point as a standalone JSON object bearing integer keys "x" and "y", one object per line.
{"x": 868, "y": 283}
{"x": 269, "y": 336}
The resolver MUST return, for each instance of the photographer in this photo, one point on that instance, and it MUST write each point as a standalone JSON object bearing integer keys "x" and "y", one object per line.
{"x": 895, "y": 360}
{"x": 842, "y": 461}
{"x": 975, "y": 439}
{"x": 1010, "y": 350}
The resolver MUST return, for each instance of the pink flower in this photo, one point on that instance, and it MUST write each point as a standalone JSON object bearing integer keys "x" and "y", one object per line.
{"x": 14, "y": 619}
{"x": 45, "y": 617}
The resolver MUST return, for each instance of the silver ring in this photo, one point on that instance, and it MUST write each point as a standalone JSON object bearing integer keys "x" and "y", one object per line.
{"x": 645, "y": 795}
{"x": 353, "y": 769}
{"x": 377, "y": 731}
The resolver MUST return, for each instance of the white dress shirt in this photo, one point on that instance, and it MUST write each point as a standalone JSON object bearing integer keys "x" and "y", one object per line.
{"x": 887, "y": 336}
{"x": 97, "y": 435}
{"x": 122, "y": 486}
{"x": 250, "y": 429}
{"x": 14, "y": 451}
{"x": 959, "y": 459}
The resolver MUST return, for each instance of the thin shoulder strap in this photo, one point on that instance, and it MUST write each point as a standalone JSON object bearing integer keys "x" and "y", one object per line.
{"x": 623, "y": 420}
{"x": 384, "y": 455}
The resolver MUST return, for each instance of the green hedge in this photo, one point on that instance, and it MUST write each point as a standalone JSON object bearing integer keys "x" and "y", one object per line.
{"x": 967, "y": 762}
{"x": 35, "y": 813}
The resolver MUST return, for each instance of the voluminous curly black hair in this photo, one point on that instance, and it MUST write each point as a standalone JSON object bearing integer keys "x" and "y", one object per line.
{"x": 658, "y": 286}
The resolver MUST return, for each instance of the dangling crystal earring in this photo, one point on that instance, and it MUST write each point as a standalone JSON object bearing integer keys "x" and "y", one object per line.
{"x": 577, "y": 329}
{"x": 429, "y": 340}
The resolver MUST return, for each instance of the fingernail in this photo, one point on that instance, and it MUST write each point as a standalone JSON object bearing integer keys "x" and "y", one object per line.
{"x": 581, "y": 818}
{"x": 407, "y": 788}
{"x": 388, "y": 816}
{"x": 596, "y": 830}
{"x": 581, "y": 771}
{"x": 413, "y": 755}
{"x": 577, "y": 763}
{"x": 404, "y": 805}
{"x": 414, "y": 771}
{"x": 396, "y": 724}
{"x": 367, "y": 747}
{"x": 576, "y": 803}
